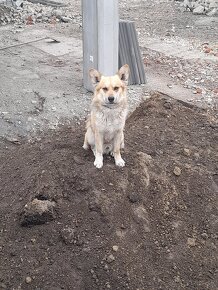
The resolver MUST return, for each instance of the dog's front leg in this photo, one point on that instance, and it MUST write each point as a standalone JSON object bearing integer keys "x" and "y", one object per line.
{"x": 118, "y": 141}
{"x": 98, "y": 149}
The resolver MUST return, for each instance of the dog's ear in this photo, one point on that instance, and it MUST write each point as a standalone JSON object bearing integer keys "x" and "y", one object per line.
{"x": 95, "y": 76}
{"x": 123, "y": 73}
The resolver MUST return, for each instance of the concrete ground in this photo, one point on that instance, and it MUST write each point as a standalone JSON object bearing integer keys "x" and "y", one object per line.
{"x": 41, "y": 82}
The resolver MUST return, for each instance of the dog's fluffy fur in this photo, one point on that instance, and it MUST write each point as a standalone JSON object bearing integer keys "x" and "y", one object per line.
{"x": 109, "y": 110}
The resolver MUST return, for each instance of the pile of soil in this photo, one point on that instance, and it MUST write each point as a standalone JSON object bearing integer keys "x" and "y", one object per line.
{"x": 151, "y": 225}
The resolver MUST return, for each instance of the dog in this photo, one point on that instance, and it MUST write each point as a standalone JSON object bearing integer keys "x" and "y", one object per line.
{"x": 109, "y": 109}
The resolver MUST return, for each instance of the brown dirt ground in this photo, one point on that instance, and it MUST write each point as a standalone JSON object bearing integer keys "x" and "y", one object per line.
{"x": 165, "y": 226}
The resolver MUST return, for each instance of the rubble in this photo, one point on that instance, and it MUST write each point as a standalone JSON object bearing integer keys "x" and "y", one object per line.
{"x": 22, "y": 12}
{"x": 199, "y": 7}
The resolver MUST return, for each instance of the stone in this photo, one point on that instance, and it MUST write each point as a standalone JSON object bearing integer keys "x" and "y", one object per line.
{"x": 68, "y": 235}
{"x": 110, "y": 258}
{"x": 2, "y": 286}
{"x": 196, "y": 155}
{"x": 38, "y": 212}
{"x": 65, "y": 19}
{"x": 191, "y": 242}
{"x": 187, "y": 152}
{"x": 212, "y": 12}
{"x": 133, "y": 197}
{"x": 180, "y": 75}
{"x": 213, "y": 4}
{"x": 168, "y": 105}
{"x": 204, "y": 236}
{"x": 177, "y": 171}
{"x": 58, "y": 13}
{"x": 28, "y": 280}
{"x": 199, "y": 10}
{"x": 115, "y": 248}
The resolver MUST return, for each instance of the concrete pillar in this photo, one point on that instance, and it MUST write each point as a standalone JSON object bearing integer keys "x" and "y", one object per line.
{"x": 100, "y": 37}
{"x": 108, "y": 35}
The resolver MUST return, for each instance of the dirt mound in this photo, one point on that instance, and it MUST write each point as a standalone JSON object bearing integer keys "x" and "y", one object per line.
{"x": 151, "y": 225}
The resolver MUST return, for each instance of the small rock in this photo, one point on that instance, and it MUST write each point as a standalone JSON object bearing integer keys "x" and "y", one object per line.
{"x": 133, "y": 197}
{"x": 110, "y": 258}
{"x": 212, "y": 12}
{"x": 213, "y": 4}
{"x": 65, "y": 19}
{"x": 13, "y": 140}
{"x": 2, "y": 286}
{"x": 115, "y": 248}
{"x": 57, "y": 13}
{"x": 187, "y": 166}
{"x": 199, "y": 10}
{"x": 199, "y": 91}
{"x": 197, "y": 156}
{"x": 68, "y": 235}
{"x": 191, "y": 242}
{"x": 207, "y": 49}
{"x": 28, "y": 280}
{"x": 168, "y": 105}
{"x": 204, "y": 236}
{"x": 177, "y": 171}
{"x": 180, "y": 75}
{"x": 187, "y": 152}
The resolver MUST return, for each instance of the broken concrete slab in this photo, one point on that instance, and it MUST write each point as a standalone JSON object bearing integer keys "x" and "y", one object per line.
{"x": 48, "y": 3}
{"x": 63, "y": 44}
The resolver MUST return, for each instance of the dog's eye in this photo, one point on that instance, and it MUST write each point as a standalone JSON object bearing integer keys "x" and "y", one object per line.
{"x": 105, "y": 89}
{"x": 116, "y": 89}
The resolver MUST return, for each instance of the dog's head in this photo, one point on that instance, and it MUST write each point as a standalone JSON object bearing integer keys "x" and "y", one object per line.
{"x": 110, "y": 91}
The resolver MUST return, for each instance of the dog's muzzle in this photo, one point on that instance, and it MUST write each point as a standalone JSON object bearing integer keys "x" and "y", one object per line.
{"x": 111, "y": 99}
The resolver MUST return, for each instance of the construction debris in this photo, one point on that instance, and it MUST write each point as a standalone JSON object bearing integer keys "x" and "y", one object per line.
{"x": 208, "y": 7}
{"x": 23, "y": 12}
{"x": 129, "y": 52}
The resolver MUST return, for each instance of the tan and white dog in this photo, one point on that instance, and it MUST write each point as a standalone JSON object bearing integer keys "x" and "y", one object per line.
{"x": 109, "y": 110}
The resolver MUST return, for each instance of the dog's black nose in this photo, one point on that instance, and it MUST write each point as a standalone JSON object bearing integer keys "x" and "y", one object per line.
{"x": 111, "y": 99}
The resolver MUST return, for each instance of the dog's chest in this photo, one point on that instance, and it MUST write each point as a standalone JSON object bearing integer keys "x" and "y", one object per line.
{"x": 110, "y": 122}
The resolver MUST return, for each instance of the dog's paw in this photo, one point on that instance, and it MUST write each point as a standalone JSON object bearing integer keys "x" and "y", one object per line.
{"x": 98, "y": 163}
{"x": 120, "y": 162}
